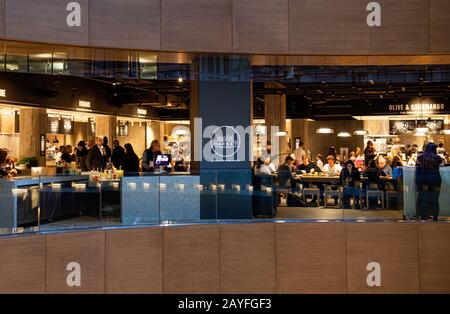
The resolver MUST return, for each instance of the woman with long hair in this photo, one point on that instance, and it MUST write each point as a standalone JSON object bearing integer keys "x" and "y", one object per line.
{"x": 130, "y": 163}
{"x": 149, "y": 156}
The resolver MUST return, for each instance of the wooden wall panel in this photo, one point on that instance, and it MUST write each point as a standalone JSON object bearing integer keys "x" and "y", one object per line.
{"x": 125, "y": 24}
{"x": 191, "y": 259}
{"x": 311, "y": 258}
{"x": 247, "y": 258}
{"x": 404, "y": 28}
{"x": 22, "y": 264}
{"x": 328, "y": 27}
{"x": 134, "y": 260}
{"x": 84, "y": 248}
{"x": 434, "y": 257}
{"x": 394, "y": 246}
{"x": 44, "y": 21}
{"x": 439, "y": 26}
{"x": 196, "y": 25}
{"x": 2, "y": 18}
{"x": 261, "y": 26}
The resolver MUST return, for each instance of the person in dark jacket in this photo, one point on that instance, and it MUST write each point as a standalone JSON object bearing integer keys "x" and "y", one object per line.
{"x": 107, "y": 148}
{"x": 81, "y": 154}
{"x": 97, "y": 158}
{"x": 307, "y": 166}
{"x": 65, "y": 156}
{"x": 130, "y": 163}
{"x": 149, "y": 156}
{"x": 369, "y": 153}
{"x": 349, "y": 177}
{"x": 428, "y": 183}
{"x": 118, "y": 155}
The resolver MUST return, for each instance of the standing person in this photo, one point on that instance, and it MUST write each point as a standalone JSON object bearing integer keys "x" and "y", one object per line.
{"x": 107, "y": 148}
{"x": 441, "y": 150}
{"x": 118, "y": 155}
{"x": 299, "y": 153}
{"x": 428, "y": 182}
{"x": 130, "y": 163}
{"x": 349, "y": 177}
{"x": 149, "y": 156}
{"x": 81, "y": 154}
{"x": 332, "y": 152}
{"x": 369, "y": 153}
{"x": 319, "y": 161}
{"x": 97, "y": 158}
{"x": 358, "y": 152}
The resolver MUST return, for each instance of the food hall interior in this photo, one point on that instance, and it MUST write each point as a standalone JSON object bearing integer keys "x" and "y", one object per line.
{"x": 317, "y": 106}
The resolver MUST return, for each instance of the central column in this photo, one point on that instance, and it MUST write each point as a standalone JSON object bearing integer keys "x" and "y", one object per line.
{"x": 221, "y": 127}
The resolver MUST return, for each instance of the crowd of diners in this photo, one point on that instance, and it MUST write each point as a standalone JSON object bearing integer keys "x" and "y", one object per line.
{"x": 363, "y": 170}
{"x": 99, "y": 156}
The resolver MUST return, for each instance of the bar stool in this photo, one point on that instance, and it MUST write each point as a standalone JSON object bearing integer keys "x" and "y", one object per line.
{"x": 311, "y": 192}
{"x": 378, "y": 193}
{"x": 333, "y": 193}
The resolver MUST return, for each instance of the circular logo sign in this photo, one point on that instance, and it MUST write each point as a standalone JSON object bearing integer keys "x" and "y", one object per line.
{"x": 225, "y": 141}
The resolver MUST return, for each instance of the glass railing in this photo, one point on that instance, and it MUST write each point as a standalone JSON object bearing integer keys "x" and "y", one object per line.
{"x": 89, "y": 200}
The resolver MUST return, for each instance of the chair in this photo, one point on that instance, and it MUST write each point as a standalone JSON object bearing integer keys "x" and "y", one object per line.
{"x": 378, "y": 193}
{"x": 389, "y": 195}
{"x": 311, "y": 192}
{"x": 333, "y": 193}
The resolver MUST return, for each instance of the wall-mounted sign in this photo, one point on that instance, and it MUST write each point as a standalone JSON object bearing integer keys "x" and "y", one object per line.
{"x": 66, "y": 126}
{"x": 53, "y": 124}
{"x": 409, "y": 126}
{"x": 122, "y": 128}
{"x": 417, "y": 108}
{"x": 91, "y": 127}
{"x": 84, "y": 104}
{"x": 142, "y": 112}
{"x": 42, "y": 143}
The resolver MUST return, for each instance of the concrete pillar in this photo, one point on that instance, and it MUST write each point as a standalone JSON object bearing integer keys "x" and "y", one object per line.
{"x": 275, "y": 116}
{"x": 106, "y": 126}
{"x": 221, "y": 95}
{"x": 33, "y": 123}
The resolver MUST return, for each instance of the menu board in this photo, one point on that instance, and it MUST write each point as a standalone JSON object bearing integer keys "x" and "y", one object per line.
{"x": 66, "y": 125}
{"x": 409, "y": 126}
{"x": 53, "y": 124}
{"x": 91, "y": 127}
{"x": 122, "y": 128}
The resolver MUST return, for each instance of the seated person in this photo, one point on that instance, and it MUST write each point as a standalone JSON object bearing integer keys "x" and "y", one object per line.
{"x": 307, "y": 166}
{"x": 332, "y": 168}
{"x": 373, "y": 175}
{"x": 262, "y": 166}
{"x": 383, "y": 166}
{"x": 285, "y": 173}
{"x": 349, "y": 177}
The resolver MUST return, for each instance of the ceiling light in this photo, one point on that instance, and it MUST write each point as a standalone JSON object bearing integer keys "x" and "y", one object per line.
{"x": 360, "y": 132}
{"x": 281, "y": 133}
{"x": 421, "y": 130}
{"x": 420, "y": 134}
{"x": 344, "y": 134}
{"x": 324, "y": 131}
{"x": 180, "y": 80}
{"x": 446, "y": 132}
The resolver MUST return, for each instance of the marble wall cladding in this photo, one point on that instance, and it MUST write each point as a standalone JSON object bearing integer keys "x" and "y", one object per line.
{"x": 140, "y": 200}
{"x": 180, "y": 198}
{"x": 154, "y": 199}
